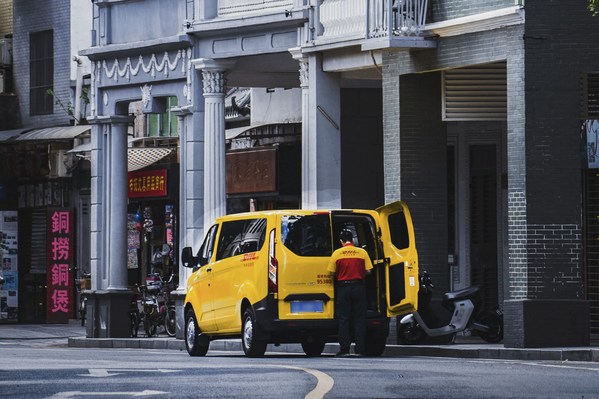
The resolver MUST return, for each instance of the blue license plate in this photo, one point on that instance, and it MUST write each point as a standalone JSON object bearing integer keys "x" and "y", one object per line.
{"x": 307, "y": 307}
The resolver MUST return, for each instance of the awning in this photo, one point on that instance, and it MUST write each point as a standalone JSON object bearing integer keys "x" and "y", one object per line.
{"x": 6, "y": 135}
{"x": 139, "y": 158}
{"x": 54, "y": 133}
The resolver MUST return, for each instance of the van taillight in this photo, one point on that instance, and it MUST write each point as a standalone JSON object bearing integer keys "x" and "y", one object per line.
{"x": 273, "y": 264}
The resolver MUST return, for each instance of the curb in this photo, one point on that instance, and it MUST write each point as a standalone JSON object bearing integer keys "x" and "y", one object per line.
{"x": 496, "y": 352}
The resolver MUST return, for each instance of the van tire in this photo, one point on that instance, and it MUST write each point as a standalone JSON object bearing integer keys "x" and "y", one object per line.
{"x": 313, "y": 349}
{"x": 252, "y": 347}
{"x": 196, "y": 346}
{"x": 376, "y": 341}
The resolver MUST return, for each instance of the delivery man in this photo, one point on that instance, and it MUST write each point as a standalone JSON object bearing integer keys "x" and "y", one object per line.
{"x": 349, "y": 266}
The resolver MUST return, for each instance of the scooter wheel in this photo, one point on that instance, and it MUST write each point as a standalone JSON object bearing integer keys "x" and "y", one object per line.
{"x": 410, "y": 334}
{"x": 495, "y": 323}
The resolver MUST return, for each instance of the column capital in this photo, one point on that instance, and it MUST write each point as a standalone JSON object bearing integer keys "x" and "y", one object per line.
{"x": 304, "y": 73}
{"x": 211, "y": 65}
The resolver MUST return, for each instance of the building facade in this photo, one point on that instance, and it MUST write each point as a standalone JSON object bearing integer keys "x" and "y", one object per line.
{"x": 470, "y": 111}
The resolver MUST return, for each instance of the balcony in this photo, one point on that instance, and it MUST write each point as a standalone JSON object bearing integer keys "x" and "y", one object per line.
{"x": 375, "y": 24}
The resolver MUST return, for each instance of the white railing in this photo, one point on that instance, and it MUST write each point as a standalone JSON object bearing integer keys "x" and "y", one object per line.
{"x": 372, "y": 17}
{"x": 343, "y": 17}
{"x": 232, "y": 7}
{"x": 407, "y": 17}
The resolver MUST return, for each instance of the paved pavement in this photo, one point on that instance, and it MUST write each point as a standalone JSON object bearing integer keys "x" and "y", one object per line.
{"x": 73, "y": 335}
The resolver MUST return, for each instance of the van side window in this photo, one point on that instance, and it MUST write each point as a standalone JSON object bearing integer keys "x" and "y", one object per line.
{"x": 207, "y": 248}
{"x": 399, "y": 230}
{"x": 241, "y": 236}
{"x": 307, "y": 235}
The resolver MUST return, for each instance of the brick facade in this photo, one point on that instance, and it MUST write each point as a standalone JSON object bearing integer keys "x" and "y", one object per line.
{"x": 545, "y": 61}
{"x": 29, "y": 18}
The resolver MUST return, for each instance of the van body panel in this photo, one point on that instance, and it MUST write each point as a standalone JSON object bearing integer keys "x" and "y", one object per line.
{"x": 401, "y": 272}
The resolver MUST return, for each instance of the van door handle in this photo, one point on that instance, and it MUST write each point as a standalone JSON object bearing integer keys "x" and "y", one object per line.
{"x": 209, "y": 269}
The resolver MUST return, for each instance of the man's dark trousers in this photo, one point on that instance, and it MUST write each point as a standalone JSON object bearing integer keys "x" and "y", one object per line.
{"x": 351, "y": 305}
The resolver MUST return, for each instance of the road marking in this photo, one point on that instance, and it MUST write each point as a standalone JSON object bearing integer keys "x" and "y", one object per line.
{"x": 324, "y": 383}
{"x": 100, "y": 373}
{"x": 75, "y": 394}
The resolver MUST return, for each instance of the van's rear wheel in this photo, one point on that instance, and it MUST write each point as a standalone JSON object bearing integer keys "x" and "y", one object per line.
{"x": 196, "y": 346}
{"x": 376, "y": 341}
{"x": 252, "y": 347}
{"x": 313, "y": 349}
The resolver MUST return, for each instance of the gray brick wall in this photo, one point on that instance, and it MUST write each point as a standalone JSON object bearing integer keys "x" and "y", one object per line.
{"x": 448, "y": 9}
{"x": 28, "y": 18}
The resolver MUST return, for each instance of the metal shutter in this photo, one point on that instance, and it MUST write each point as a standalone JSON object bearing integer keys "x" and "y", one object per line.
{"x": 477, "y": 93}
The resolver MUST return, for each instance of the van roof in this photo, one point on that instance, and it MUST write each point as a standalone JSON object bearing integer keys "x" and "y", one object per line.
{"x": 254, "y": 214}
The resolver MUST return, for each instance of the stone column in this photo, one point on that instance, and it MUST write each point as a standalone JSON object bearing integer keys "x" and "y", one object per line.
{"x": 309, "y": 189}
{"x": 213, "y": 78}
{"x": 109, "y": 299}
{"x": 184, "y": 115}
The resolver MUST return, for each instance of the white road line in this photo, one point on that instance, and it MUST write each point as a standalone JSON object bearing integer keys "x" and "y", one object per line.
{"x": 324, "y": 383}
{"x": 76, "y": 394}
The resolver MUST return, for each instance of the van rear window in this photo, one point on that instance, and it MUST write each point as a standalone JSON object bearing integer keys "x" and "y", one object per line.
{"x": 307, "y": 235}
{"x": 399, "y": 230}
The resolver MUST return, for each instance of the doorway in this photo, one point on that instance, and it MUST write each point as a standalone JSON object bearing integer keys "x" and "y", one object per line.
{"x": 476, "y": 208}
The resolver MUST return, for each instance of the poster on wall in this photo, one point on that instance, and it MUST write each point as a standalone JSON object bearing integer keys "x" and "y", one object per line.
{"x": 61, "y": 251}
{"x": 591, "y": 128}
{"x": 133, "y": 242}
{"x": 9, "y": 304}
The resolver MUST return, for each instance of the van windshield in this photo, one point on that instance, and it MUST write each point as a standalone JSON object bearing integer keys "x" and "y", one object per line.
{"x": 307, "y": 235}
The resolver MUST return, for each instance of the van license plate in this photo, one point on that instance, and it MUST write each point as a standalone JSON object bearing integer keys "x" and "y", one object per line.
{"x": 307, "y": 307}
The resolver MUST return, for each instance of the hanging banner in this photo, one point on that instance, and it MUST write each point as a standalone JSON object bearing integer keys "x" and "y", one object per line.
{"x": 61, "y": 251}
{"x": 147, "y": 183}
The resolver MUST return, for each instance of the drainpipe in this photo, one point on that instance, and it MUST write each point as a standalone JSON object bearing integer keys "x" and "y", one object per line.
{"x": 78, "y": 88}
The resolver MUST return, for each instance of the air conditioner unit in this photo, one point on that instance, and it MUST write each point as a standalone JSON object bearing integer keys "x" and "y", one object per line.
{"x": 58, "y": 163}
{"x": 6, "y": 51}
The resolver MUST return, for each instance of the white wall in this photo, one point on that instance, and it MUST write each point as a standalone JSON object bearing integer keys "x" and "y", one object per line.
{"x": 276, "y": 106}
{"x": 81, "y": 25}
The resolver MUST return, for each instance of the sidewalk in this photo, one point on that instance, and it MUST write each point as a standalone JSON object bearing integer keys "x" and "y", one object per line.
{"x": 465, "y": 347}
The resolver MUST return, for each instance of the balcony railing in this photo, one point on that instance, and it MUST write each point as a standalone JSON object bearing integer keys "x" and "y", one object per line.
{"x": 372, "y": 18}
{"x": 232, "y": 7}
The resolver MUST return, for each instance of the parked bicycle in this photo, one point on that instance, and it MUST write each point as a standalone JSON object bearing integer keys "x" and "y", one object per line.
{"x": 154, "y": 307}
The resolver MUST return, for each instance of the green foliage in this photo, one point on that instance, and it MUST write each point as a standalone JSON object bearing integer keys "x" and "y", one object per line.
{"x": 68, "y": 108}
{"x": 594, "y": 7}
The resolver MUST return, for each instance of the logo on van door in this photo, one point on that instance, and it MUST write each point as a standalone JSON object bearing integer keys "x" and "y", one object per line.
{"x": 249, "y": 258}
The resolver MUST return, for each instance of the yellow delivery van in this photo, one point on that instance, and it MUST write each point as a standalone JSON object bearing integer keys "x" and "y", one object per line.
{"x": 262, "y": 277}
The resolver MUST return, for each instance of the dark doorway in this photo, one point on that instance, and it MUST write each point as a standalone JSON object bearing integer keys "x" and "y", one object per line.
{"x": 483, "y": 220}
{"x": 362, "y": 178}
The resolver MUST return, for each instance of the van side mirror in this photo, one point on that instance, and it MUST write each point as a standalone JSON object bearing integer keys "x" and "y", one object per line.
{"x": 187, "y": 258}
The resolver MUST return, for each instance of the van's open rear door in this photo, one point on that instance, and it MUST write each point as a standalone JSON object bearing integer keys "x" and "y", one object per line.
{"x": 401, "y": 270}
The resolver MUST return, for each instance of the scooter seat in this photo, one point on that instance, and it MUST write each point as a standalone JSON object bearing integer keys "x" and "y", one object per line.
{"x": 461, "y": 294}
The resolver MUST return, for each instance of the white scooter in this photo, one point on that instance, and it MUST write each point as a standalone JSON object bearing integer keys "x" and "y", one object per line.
{"x": 466, "y": 312}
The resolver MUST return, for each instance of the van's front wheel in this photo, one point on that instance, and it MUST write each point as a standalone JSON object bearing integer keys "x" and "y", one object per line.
{"x": 252, "y": 347}
{"x": 195, "y": 345}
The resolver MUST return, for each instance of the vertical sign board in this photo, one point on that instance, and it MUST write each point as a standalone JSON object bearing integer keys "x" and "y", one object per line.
{"x": 591, "y": 128}
{"x": 9, "y": 298}
{"x": 61, "y": 251}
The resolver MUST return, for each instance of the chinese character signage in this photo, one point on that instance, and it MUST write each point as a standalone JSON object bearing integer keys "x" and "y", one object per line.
{"x": 61, "y": 250}
{"x": 147, "y": 183}
{"x": 8, "y": 268}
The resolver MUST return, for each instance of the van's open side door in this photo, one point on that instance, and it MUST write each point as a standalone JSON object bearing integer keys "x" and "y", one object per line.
{"x": 401, "y": 270}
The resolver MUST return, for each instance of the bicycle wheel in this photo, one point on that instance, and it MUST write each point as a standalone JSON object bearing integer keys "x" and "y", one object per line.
{"x": 170, "y": 321}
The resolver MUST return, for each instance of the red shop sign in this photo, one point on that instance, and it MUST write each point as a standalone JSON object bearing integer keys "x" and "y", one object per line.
{"x": 61, "y": 251}
{"x": 147, "y": 183}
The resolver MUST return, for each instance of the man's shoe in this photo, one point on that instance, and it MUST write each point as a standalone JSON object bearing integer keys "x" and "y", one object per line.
{"x": 342, "y": 354}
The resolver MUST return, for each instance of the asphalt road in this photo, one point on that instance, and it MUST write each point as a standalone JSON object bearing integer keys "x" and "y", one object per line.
{"x": 52, "y": 370}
